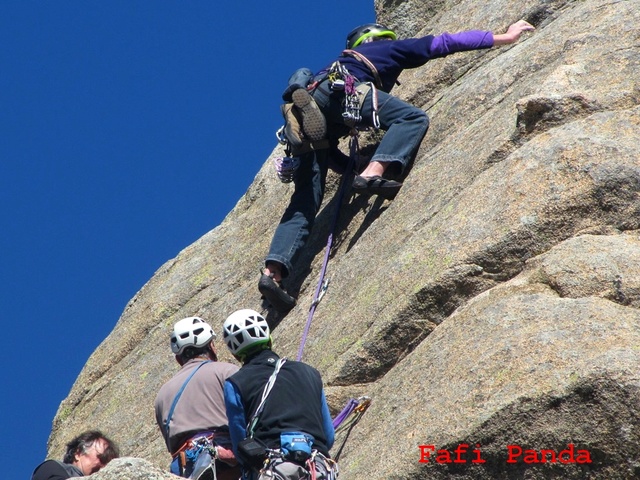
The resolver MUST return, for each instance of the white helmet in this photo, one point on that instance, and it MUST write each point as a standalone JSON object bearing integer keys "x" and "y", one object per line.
{"x": 244, "y": 329}
{"x": 191, "y": 332}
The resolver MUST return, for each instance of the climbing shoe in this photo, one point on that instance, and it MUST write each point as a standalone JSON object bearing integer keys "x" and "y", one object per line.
{"x": 314, "y": 124}
{"x": 275, "y": 295}
{"x": 376, "y": 185}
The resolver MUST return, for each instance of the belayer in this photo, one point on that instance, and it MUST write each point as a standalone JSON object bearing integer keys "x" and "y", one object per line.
{"x": 189, "y": 407}
{"x": 352, "y": 91}
{"x": 279, "y": 420}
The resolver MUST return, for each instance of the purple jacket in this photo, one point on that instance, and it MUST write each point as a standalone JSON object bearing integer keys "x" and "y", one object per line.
{"x": 391, "y": 57}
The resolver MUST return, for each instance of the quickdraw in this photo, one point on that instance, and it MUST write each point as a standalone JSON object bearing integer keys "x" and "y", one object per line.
{"x": 348, "y": 418}
{"x": 354, "y": 94}
{"x": 341, "y": 80}
{"x": 323, "y": 290}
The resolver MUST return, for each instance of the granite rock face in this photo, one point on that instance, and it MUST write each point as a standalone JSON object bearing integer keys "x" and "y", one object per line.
{"x": 495, "y": 302}
{"x": 132, "y": 468}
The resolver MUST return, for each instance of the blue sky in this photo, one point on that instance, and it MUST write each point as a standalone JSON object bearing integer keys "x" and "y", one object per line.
{"x": 128, "y": 129}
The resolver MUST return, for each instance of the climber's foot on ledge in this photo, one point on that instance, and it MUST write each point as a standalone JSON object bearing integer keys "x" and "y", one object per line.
{"x": 275, "y": 295}
{"x": 376, "y": 185}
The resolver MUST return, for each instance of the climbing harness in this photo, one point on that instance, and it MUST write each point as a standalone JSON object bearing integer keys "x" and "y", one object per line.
{"x": 277, "y": 466}
{"x": 291, "y": 135}
{"x": 205, "y": 451}
{"x": 355, "y": 93}
{"x": 279, "y": 463}
{"x": 195, "y": 457}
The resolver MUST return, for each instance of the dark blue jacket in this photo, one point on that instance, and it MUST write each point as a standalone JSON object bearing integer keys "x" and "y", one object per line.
{"x": 390, "y": 57}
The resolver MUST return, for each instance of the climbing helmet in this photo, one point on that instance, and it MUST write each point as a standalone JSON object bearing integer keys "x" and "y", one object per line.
{"x": 244, "y": 330}
{"x": 363, "y": 33}
{"x": 191, "y": 332}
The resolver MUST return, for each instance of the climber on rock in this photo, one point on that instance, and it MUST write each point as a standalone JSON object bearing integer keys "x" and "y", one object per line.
{"x": 190, "y": 409}
{"x": 353, "y": 91}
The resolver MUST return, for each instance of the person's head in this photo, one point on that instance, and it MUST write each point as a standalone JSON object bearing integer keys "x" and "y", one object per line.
{"x": 192, "y": 337}
{"x": 246, "y": 333}
{"x": 90, "y": 451}
{"x": 369, "y": 32}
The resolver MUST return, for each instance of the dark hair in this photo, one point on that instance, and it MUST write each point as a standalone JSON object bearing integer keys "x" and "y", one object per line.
{"x": 193, "y": 352}
{"x": 84, "y": 441}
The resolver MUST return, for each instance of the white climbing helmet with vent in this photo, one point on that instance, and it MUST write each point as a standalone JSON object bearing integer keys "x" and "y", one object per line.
{"x": 191, "y": 332}
{"x": 245, "y": 329}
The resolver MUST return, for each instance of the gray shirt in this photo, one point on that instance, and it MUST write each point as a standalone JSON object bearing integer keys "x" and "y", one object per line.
{"x": 55, "y": 470}
{"x": 201, "y": 405}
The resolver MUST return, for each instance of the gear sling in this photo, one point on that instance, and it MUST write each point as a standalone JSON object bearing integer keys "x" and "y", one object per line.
{"x": 295, "y": 447}
{"x": 197, "y": 454}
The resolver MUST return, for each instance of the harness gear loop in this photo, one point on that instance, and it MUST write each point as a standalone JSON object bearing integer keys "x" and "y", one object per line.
{"x": 190, "y": 452}
{"x": 362, "y": 90}
{"x": 355, "y": 92}
{"x": 275, "y": 457}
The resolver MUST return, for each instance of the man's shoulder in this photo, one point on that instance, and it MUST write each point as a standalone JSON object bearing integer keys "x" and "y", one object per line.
{"x": 259, "y": 366}
{"x": 220, "y": 369}
{"x": 54, "y": 469}
{"x": 225, "y": 368}
{"x": 303, "y": 366}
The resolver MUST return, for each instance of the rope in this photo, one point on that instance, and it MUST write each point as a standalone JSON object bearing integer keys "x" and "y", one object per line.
{"x": 322, "y": 285}
{"x": 356, "y": 411}
{"x": 346, "y": 411}
{"x": 265, "y": 393}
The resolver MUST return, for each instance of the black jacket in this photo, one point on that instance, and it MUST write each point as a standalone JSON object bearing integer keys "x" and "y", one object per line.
{"x": 295, "y": 403}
